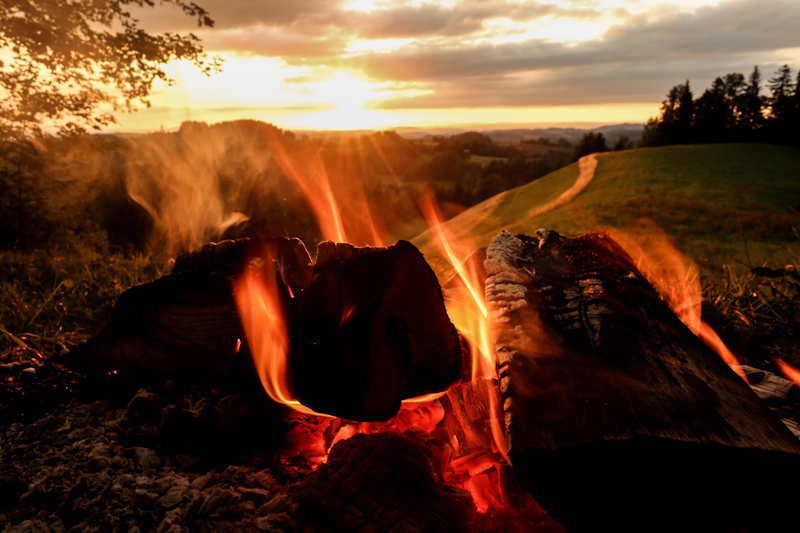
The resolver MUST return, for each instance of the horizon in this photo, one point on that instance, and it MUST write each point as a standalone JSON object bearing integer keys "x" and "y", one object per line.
{"x": 436, "y": 130}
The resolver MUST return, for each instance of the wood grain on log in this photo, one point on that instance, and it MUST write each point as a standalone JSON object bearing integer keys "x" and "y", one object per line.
{"x": 611, "y": 402}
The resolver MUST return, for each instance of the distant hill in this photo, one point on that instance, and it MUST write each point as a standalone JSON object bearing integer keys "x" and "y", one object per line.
{"x": 718, "y": 202}
{"x": 506, "y": 135}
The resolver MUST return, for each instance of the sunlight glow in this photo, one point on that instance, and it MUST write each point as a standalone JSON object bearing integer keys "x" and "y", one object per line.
{"x": 380, "y": 46}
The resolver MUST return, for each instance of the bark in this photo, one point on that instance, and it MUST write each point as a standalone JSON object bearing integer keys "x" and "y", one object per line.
{"x": 611, "y": 403}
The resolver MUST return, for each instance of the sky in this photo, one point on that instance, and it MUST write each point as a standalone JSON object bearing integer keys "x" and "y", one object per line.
{"x": 383, "y": 64}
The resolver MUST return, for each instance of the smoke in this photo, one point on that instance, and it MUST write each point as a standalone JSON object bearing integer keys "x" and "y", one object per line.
{"x": 176, "y": 179}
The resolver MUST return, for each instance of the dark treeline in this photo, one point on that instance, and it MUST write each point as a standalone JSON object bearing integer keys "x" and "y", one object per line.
{"x": 171, "y": 190}
{"x": 733, "y": 109}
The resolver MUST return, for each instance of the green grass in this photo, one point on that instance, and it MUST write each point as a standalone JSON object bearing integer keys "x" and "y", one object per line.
{"x": 57, "y": 296}
{"x": 719, "y": 203}
{"x": 477, "y": 225}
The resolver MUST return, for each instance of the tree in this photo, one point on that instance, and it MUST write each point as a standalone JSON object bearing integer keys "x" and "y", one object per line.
{"x": 781, "y": 89}
{"x": 73, "y": 63}
{"x": 751, "y": 103}
{"x": 623, "y": 143}
{"x": 712, "y": 114}
{"x": 674, "y": 125}
{"x": 23, "y": 216}
{"x": 590, "y": 143}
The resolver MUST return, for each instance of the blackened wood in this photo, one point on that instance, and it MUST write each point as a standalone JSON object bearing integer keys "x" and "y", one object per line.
{"x": 373, "y": 332}
{"x": 617, "y": 415}
{"x": 368, "y": 327}
{"x": 187, "y": 321}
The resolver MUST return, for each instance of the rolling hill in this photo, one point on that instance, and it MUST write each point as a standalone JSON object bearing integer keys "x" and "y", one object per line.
{"x": 717, "y": 202}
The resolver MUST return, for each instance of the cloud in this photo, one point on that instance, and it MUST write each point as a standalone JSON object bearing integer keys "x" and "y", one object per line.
{"x": 260, "y": 40}
{"x": 453, "y": 53}
{"x": 634, "y": 61}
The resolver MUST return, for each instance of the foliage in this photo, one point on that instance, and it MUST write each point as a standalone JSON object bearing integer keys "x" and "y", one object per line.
{"x": 731, "y": 110}
{"x": 23, "y": 217}
{"x": 69, "y": 58}
{"x": 57, "y": 296}
{"x": 623, "y": 143}
{"x": 590, "y": 143}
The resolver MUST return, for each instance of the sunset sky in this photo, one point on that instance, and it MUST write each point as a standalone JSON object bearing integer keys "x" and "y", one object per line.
{"x": 348, "y": 64}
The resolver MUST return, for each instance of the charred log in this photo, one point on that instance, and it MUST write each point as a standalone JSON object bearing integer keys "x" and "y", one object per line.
{"x": 617, "y": 415}
{"x": 373, "y": 332}
{"x": 187, "y": 321}
{"x": 367, "y": 326}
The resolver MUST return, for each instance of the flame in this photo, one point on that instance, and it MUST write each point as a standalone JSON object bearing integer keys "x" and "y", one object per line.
{"x": 264, "y": 321}
{"x": 343, "y": 216}
{"x": 677, "y": 280}
{"x": 789, "y": 371}
{"x": 470, "y": 316}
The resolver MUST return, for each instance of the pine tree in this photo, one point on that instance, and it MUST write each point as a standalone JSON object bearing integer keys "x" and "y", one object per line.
{"x": 751, "y": 103}
{"x": 781, "y": 89}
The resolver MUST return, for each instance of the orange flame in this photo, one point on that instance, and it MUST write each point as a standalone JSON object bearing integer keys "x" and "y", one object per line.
{"x": 343, "y": 215}
{"x": 789, "y": 371}
{"x": 469, "y": 317}
{"x": 677, "y": 281}
{"x": 264, "y": 321}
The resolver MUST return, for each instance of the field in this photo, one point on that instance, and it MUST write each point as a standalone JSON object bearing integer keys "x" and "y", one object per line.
{"x": 719, "y": 203}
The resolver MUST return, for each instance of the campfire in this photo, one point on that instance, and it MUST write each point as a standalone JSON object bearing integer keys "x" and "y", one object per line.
{"x": 542, "y": 385}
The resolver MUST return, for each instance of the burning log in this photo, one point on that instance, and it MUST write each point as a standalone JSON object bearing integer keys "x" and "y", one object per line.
{"x": 367, "y": 327}
{"x": 616, "y": 414}
{"x": 374, "y": 332}
{"x": 187, "y": 321}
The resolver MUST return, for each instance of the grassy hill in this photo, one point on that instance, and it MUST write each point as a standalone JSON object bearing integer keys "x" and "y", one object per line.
{"x": 718, "y": 202}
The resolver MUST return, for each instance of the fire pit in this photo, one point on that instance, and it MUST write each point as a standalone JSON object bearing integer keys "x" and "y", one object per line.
{"x": 570, "y": 391}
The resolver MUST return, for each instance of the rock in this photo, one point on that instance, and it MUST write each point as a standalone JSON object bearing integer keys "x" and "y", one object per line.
{"x": 258, "y": 496}
{"x": 278, "y": 504}
{"x": 145, "y": 459}
{"x": 276, "y": 523}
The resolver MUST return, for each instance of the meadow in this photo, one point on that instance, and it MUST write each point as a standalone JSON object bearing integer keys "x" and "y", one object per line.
{"x": 728, "y": 208}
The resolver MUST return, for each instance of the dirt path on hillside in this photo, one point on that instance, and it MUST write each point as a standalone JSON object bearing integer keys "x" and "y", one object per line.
{"x": 587, "y": 165}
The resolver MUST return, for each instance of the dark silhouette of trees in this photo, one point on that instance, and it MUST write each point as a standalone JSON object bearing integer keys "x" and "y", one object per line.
{"x": 590, "y": 143}
{"x": 733, "y": 109}
{"x": 623, "y": 143}
{"x": 23, "y": 217}
{"x": 751, "y": 117}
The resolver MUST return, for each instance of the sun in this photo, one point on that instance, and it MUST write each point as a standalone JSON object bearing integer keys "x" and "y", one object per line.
{"x": 349, "y": 95}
